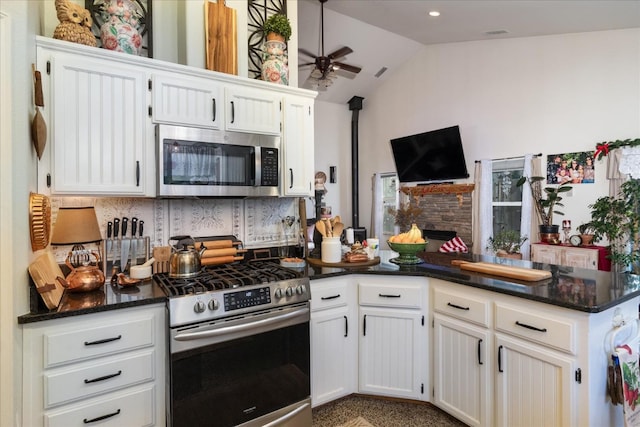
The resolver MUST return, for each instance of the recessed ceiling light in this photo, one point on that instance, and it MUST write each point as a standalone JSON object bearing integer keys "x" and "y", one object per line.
{"x": 434, "y": 13}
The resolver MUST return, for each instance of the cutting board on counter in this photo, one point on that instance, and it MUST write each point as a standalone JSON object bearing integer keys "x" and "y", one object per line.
{"x": 44, "y": 272}
{"x": 221, "y": 38}
{"x": 520, "y": 273}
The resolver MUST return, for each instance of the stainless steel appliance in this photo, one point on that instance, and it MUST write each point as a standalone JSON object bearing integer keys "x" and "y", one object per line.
{"x": 239, "y": 340}
{"x": 206, "y": 163}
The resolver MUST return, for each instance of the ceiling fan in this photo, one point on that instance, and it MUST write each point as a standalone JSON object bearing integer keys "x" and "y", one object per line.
{"x": 325, "y": 66}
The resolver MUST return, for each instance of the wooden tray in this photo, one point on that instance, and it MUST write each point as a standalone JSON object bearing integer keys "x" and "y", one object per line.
{"x": 520, "y": 273}
{"x": 317, "y": 262}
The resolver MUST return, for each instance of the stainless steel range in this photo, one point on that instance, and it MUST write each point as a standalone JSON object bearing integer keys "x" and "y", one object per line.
{"x": 239, "y": 340}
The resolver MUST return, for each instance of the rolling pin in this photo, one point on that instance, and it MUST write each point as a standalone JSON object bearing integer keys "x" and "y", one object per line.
{"x": 220, "y": 260}
{"x": 217, "y": 244}
{"x": 210, "y": 253}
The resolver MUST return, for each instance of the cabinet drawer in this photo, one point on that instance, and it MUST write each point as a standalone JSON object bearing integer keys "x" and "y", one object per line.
{"x": 462, "y": 307}
{"x": 64, "y": 386}
{"x": 129, "y": 408}
{"x": 97, "y": 339}
{"x": 551, "y": 332}
{"x": 329, "y": 295}
{"x": 390, "y": 295}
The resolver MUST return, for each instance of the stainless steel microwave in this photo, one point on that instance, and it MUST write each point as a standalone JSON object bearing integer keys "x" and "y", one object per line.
{"x": 213, "y": 163}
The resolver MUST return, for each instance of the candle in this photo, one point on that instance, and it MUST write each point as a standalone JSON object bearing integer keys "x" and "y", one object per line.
{"x": 566, "y": 223}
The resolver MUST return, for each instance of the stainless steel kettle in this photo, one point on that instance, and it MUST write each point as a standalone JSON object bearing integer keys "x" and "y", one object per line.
{"x": 184, "y": 262}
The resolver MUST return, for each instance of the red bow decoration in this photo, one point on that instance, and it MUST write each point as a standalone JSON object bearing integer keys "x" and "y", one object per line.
{"x": 602, "y": 149}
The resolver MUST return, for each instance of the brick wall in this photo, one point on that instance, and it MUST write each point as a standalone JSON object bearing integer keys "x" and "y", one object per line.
{"x": 444, "y": 212}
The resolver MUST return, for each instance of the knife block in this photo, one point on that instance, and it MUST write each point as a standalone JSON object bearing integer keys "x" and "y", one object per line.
{"x": 112, "y": 256}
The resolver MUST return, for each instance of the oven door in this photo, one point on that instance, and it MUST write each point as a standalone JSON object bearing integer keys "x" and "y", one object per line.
{"x": 253, "y": 370}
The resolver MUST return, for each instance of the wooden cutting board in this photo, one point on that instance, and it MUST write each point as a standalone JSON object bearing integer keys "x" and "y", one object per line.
{"x": 221, "y": 38}
{"x": 520, "y": 273}
{"x": 45, "y": 271}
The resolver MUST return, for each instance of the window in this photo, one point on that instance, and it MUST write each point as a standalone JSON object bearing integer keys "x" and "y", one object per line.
{"x": 507, "y": 197}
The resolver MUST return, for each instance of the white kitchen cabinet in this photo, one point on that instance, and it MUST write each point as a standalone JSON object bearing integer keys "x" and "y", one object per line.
{"x": 564, "y": 255}
{"x": 187, "y": 101}
{"x": 298, "y": 169}
{"x": 100, "y": 136}
{"x": 393, "y": 358}
{"x": 106, "y": 368}
{"x": 253, "y": 110}
{"x": 334, "y": 344}
{"x": 462, "y": 356}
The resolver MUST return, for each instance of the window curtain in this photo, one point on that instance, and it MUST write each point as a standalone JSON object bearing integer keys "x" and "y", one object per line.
{"x": 528, "y": 214}
{"x": 536, "y": 170}
{"x": 482, "y": 200}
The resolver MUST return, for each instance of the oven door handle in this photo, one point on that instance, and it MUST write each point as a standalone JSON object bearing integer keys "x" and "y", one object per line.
{"x": 286, "y": 417}
{"x": 241, "y": 328}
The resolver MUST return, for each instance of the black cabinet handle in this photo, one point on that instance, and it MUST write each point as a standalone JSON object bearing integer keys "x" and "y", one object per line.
{"x": 364, "y": 326}
{"x": 331, "y": 297}
{"x": 524, "y": 325}
{"x": 106, "y": 340}
{"x": 233, "y": 112}
{"x": 459, "y": 307}
{"x": 214, "y": 109}
{"x": 389, "y": 296}
{"x": 137, "y": 173}
{"x": 346, "y": 326}
{"x": 479, "y": 352}
{"x": 106, "y": 377}
{"x": 291, "y": 174}
{"x": 104, "y": 417}
{"x": 500, "y": 359}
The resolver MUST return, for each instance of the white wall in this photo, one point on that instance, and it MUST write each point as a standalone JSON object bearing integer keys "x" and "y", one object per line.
{"x": 510, "y": 97}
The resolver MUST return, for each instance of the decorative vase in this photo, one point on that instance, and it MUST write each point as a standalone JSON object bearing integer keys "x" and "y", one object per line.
{"x": 550, "y": 233}
{"x": 120, "y": 29}
{"x": 275, "y": 68}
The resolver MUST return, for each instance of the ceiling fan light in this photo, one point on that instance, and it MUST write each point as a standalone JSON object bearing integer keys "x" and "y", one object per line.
{"x": 316, "y": 74}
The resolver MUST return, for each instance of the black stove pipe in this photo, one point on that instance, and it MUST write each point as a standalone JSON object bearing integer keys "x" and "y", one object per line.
{"x": 355, "y": 105}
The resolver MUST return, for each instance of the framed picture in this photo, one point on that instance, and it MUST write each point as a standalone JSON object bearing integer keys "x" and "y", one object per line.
{"x": 576, "y": 168}
{"x": 137, "y": 13}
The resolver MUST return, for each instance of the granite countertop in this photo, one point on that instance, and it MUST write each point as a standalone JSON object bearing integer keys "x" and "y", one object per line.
{"x": 579, "y": 289}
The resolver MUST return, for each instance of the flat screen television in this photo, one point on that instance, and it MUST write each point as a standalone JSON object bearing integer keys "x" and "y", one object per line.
{"x": 430, "y": 157}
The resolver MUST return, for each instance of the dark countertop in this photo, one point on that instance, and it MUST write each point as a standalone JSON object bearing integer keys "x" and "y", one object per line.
{"x": 578, "y": 289}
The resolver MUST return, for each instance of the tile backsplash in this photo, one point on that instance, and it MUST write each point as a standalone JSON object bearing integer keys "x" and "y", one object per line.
{"x": 257, "y": 222}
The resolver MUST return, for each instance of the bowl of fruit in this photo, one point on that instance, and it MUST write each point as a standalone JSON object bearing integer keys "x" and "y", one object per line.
{"x": 407, "y": 245}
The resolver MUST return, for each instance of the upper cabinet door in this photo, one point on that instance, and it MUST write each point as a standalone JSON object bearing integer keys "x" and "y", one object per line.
{"x": 99, "y": 128}
{"x": 253, "y": 110}
{"x": 187, "y": 101}
{"x": 297, "y": 170}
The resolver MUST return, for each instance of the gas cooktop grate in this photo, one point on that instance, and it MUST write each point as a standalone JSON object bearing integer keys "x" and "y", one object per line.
{"x": 226, "y": 276}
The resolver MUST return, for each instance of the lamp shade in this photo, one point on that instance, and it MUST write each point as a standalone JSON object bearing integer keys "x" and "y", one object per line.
{"x": 76, "y": 226}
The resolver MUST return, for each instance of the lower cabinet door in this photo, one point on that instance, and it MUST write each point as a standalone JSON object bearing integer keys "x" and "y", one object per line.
{"x": 534, "y": 385}
{"x": 131, "y": 407}
{"x": 461, "y": 372}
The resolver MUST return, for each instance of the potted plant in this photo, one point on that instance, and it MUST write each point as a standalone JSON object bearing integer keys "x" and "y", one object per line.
{"x": 587, "y": 232}
{"x": 618, "y": 219}
{"x": 507, "y": 244}
{"x": 547, "y": 206}
{"x": 277, "y": 27}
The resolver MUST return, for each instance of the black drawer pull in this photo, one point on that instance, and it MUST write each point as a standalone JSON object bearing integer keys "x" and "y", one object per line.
{"x": 103, "y": 341}
{"x": 104, "y": 417}
{"x": 346, "y": 326}
{"x": 331, "y": 297}
{"x": 214, "y": 109}
{"x": 500, "y": 359}
{"x": 459, "y": 307}
{"x": 524, "y": 325}
{"x": 389, "y": 296}
{"x": 479, "y": 352}
{"x": 106, "y": 377}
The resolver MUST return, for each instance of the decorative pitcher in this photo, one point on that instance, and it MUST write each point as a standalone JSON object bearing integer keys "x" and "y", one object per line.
{"x": 275, "y": 68}
{"x": 120, "y": 29}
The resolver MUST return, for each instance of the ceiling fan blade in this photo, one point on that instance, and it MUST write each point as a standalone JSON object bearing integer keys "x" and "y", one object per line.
{"x": 306, "y": 52}
{"x": 305, "y": 64}
{"x": 340, "y": 53}
{"x": 347, "y": 67}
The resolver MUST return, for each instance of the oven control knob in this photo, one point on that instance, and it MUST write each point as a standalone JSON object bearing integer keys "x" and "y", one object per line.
{"x": 300, "y": 289}
{"x": 213, "y": 304}
{"x": 199, "y": 307}
{"x": 279, "y": 293}
{"x": 289, "y": 291}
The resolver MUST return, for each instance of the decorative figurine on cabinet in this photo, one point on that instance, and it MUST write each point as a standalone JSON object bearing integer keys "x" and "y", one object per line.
{"x": 75, "y": 23}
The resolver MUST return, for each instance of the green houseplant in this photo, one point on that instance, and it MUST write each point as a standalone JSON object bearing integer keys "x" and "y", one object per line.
{"x": 618, "y": 219}
{"x": 506, "y": 243}
{"x": 547, "y": 206}
{"x": 586, "y": 231}
{"x": 277, "y": 27}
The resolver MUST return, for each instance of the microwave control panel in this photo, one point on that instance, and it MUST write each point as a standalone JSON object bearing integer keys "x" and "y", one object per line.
{"x": 269, "y": 167}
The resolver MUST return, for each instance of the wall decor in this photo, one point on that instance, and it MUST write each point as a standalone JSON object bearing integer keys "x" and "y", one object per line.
{"x": 125, "y": 22}
{"x": 576, "y": 168}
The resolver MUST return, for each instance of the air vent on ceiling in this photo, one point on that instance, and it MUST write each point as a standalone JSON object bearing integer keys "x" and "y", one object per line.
{"x": 496, "y": 32}
{"x": 380, "y": 72}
